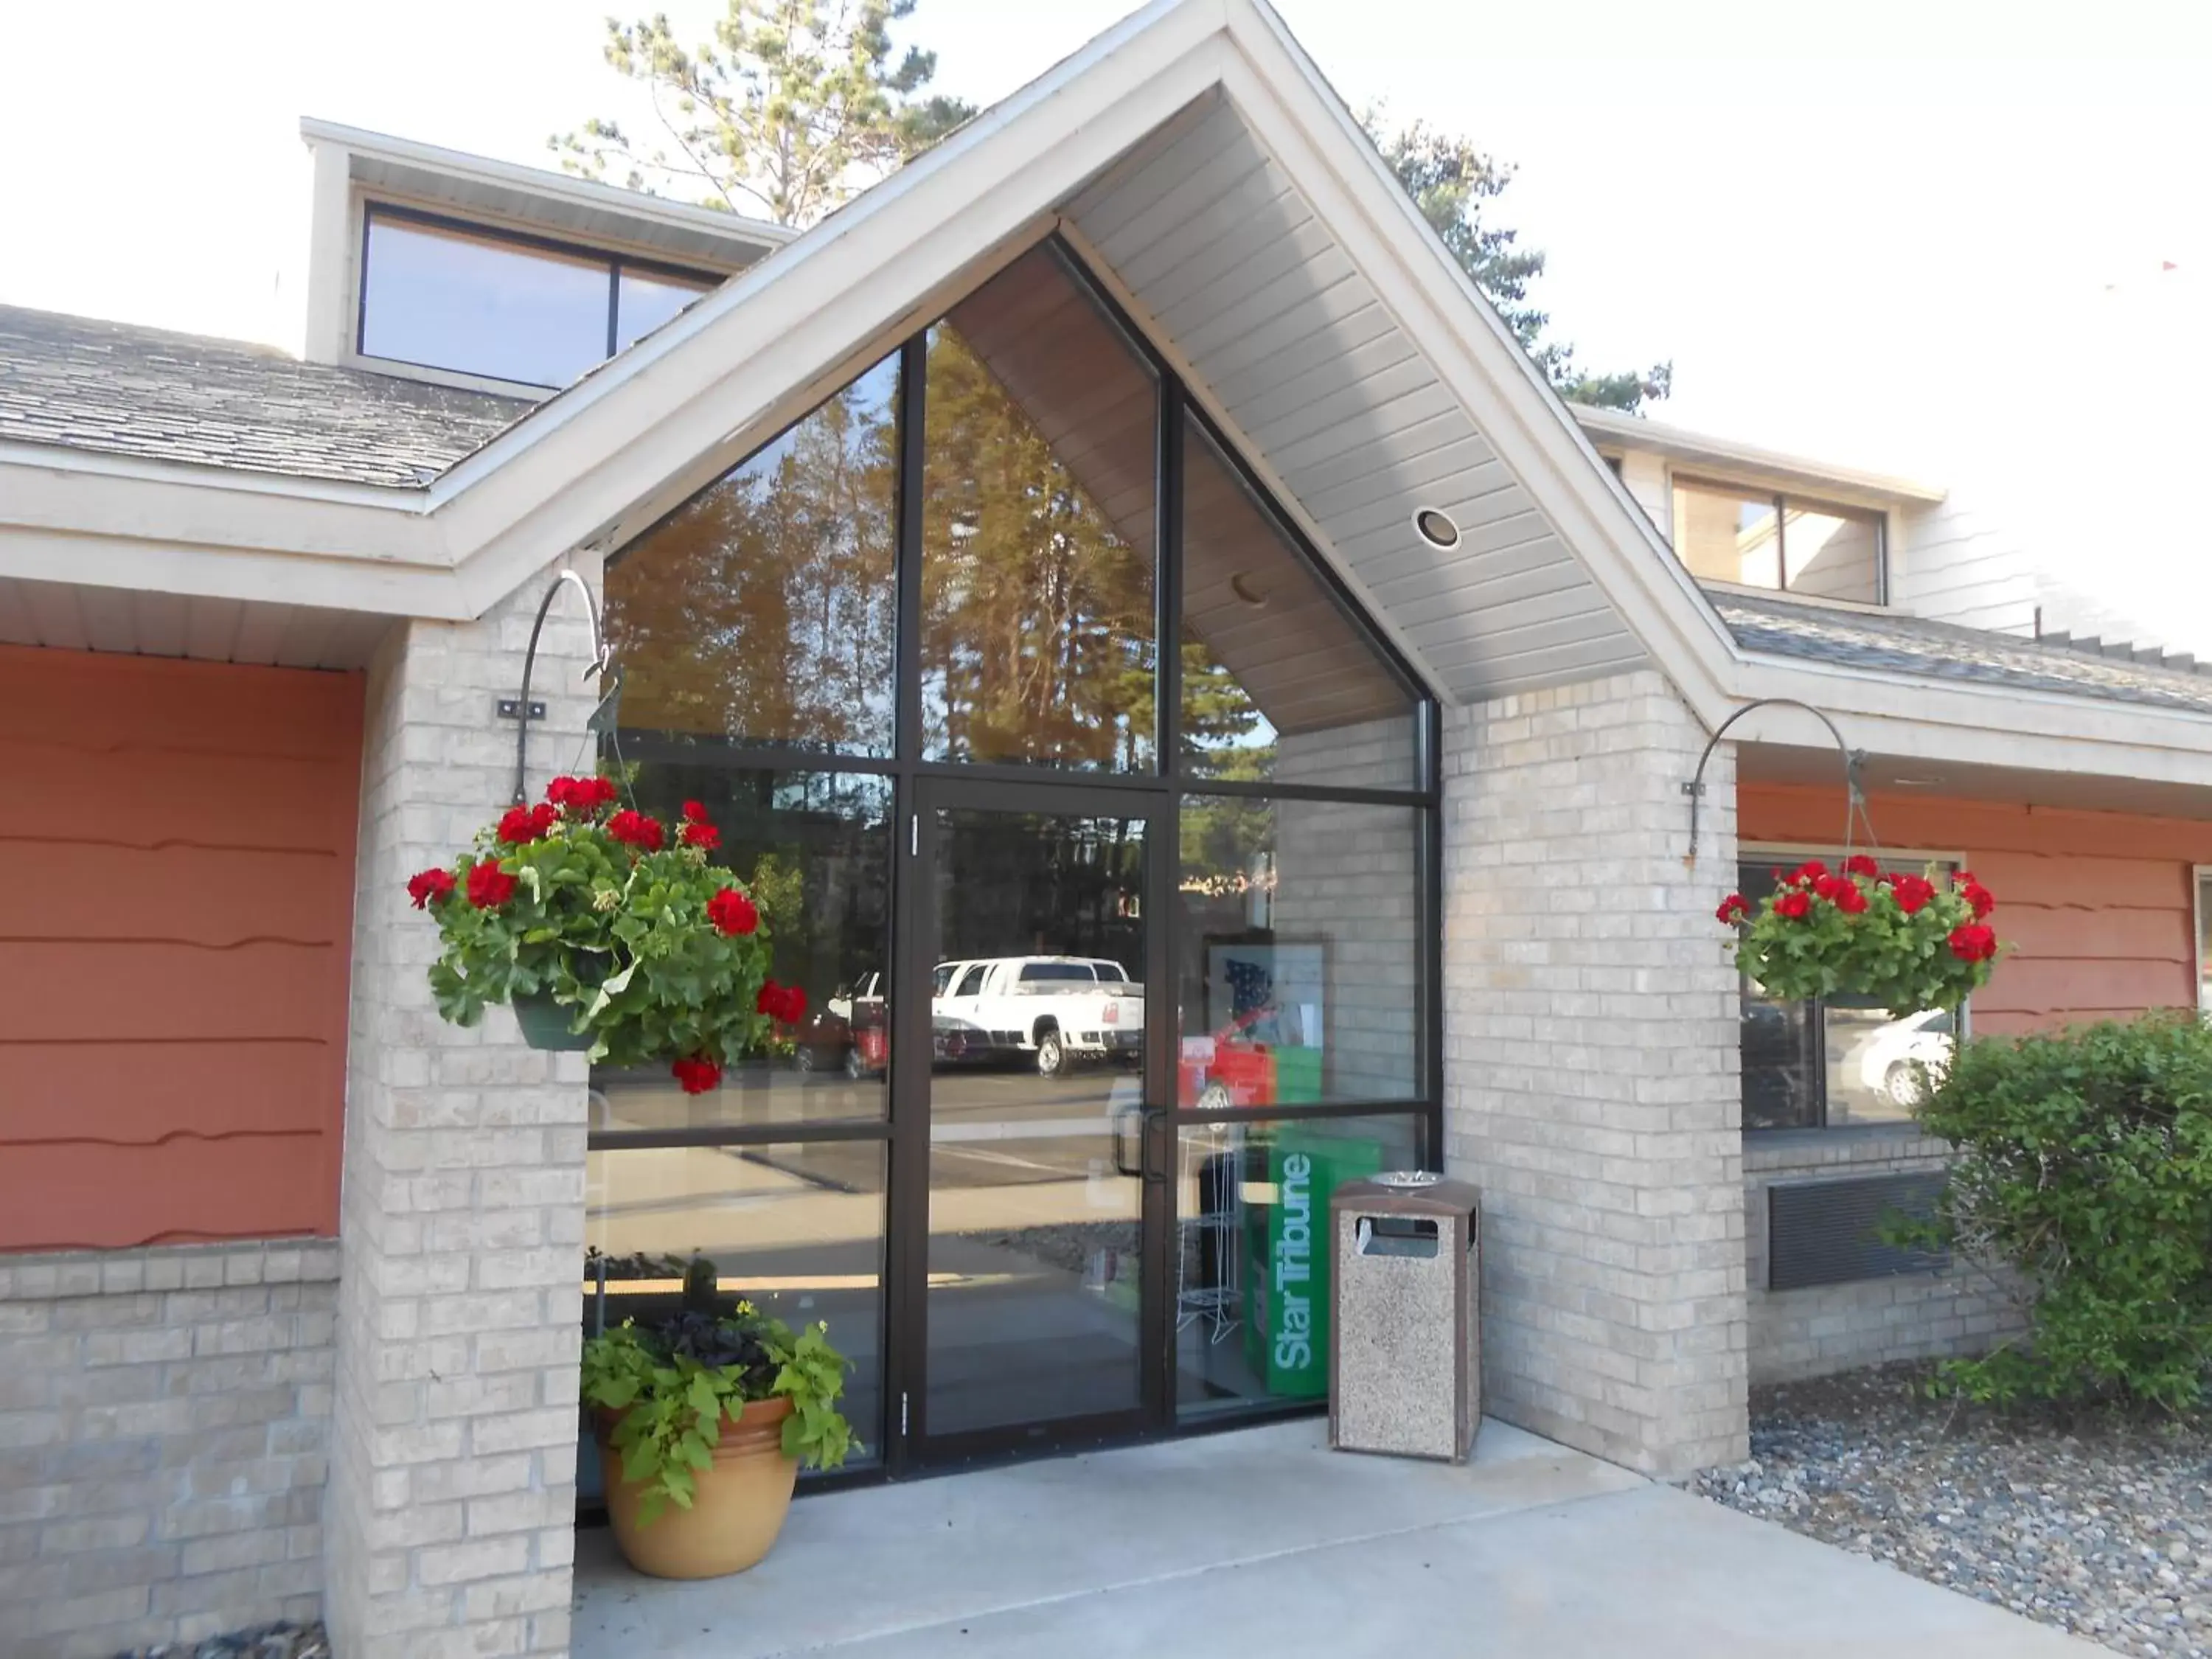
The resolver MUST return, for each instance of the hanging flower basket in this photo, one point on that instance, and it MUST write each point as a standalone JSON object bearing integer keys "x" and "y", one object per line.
{"x": 605, "y": 936}
{"x": 1906, "y": 942}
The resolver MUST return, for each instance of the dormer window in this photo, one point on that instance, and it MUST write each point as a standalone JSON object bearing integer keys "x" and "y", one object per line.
{"x": 1754, "y": 538}
{"x": 439, "y": 293}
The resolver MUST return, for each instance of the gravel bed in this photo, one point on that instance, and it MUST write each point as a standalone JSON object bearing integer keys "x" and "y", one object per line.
{"x": 261, "y": 1642}
{"x": 2100, "y": 1525}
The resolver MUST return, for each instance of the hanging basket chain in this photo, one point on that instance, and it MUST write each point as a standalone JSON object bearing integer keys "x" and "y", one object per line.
{"x": 1855, "y": 805}
{"x": 602, "y": 667}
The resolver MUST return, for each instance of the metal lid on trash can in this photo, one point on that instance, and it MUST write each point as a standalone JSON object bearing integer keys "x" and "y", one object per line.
{"x": 1408, "y": 1192}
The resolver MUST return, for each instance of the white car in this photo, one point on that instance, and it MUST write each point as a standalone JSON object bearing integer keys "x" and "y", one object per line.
{"x": 1890, "y": 1057}
{"x": 1057, "y": 1010}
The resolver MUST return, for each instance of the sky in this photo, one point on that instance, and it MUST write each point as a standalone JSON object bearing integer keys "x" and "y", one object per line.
{"x": 1845, "y": 225}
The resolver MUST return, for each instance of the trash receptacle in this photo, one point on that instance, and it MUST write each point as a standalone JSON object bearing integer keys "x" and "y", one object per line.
{"x": 1405, "y": 1366}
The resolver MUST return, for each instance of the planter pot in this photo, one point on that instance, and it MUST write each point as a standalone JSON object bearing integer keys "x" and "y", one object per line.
{"x": 736, "y": 1514}
{"x": 546, "y": 1023}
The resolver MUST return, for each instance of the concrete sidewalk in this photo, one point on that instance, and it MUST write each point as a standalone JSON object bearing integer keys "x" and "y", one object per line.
{"x": 1261, "y": 1541}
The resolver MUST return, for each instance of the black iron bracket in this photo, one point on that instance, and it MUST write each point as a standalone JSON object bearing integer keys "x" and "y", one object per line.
{"x": 1854, "y": 766}
{"x": 522, "y": 710}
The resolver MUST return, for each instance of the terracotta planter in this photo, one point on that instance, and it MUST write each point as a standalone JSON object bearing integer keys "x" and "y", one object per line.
{"x": 736, "y": 1515}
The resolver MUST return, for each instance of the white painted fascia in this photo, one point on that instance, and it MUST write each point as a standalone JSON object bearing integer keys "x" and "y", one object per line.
{"x": 1618, "y": 431}
{"x": 757, "y": 236}
{"x": 119, "y": 521}
{"x": 1922, "y": 717}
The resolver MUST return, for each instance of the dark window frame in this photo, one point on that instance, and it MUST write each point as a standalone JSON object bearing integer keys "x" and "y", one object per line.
{"x": 1160, "y": 792}
{"x": 1764, "y": 857}
{"x": 1783, "y": 502}
{"x": 372, "y": 209}
{"x": 1174, "y": 778}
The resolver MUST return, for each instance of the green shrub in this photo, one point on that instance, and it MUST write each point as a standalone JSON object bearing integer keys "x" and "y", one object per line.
{"x": 2084, "y": 1162}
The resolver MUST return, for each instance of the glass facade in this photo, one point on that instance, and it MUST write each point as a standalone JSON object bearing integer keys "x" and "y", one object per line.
{"x": 763, "y": 611}
{"x": 1074, "y": 915}
{"x": 1298, "y": 955}
{"x": 445, "y": 294}
{"x": 1251, "y": 1254}
{"x": 1759, "y": 539}
{"x": 1278, "y": 681}
{"x": 1039, "y": 544}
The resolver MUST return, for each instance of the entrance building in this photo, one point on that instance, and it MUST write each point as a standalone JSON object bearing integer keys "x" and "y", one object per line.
{"x": 1099, "y": 828}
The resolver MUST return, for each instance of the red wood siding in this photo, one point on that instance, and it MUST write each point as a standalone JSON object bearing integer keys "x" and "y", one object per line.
{"x": 174, "y": 942}
{"x": 2096, "y": 906}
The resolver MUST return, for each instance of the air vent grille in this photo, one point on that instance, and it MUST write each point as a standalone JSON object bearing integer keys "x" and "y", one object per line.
{"x": 1825, "y": 1232}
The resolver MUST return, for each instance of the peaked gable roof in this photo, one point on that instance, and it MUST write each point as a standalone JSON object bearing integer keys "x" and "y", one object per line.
{"x": 1568, "y": 578}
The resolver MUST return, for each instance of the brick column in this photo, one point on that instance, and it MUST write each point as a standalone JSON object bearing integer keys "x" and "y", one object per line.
{"x": 1591, "y": 1069}
{"x": 449, "y": 1519}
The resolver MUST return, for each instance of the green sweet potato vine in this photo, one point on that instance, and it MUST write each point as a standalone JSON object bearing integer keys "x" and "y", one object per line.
{"x": 1905, "y": 942}
{"x": 672, "y": 1387}
{"x": 653, "y": 952}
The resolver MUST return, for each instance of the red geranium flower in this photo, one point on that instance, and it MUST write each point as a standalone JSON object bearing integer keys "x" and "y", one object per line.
{"x": 783, "y": 1003}
{"x": 1851, "y": 900}
{"x": 694, "y": 812}
{"x": 1811, "y": 869}
{"x": 1860, "y": 865}
{"x": 697, "y": 1074}
{"x": 1979, "y": 898}
{"x": 635, "y": 829}
{"x": 1832, "y": 888}
{"x": 1913, "y": 892}
{"x": 1796, "y": 904}
{"x": 1733, "y": 909}
{"x": 581, "y": 795}
{"x": 490, "y": 886}
{"x": 733, "y": 913}
{"x": 700, "y": 835}
{"x": 520, "y": 825}
{"x": 429, "y": 885}
{"x": 1973, "y": 942}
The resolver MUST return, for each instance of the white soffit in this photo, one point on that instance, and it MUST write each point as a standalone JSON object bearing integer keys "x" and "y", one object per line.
{"x": 1226, "y": 265}
{"x": 70, "y": 617}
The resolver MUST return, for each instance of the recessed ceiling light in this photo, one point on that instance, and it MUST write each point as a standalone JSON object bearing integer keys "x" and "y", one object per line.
{"x": 1435, "y": 528}
{"x": 1246, "y": 589}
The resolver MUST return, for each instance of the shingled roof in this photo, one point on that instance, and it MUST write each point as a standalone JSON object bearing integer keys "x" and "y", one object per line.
{"x": 84, "y": 383}
{"x": 1911, "y": 645}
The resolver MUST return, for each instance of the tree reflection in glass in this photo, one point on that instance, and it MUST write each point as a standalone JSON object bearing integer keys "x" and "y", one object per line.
{"x": 1038, "y": 539}
{"x": 763, "y": 611}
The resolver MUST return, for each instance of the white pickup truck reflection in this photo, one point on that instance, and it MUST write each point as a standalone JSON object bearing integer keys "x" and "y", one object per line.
{"x": 1056, "y": 1010}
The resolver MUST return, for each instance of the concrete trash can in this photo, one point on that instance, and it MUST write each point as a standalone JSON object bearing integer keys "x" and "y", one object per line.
{"x": 1405, "y": 1358}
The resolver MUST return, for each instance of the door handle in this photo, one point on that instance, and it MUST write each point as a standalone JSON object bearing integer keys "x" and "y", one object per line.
{"x": 1127, "y": 1118}
{"x": 1143, "y": 1125}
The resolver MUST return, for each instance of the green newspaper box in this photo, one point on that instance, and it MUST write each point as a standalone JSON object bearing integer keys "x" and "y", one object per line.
{"x": 1286, "y": 1289}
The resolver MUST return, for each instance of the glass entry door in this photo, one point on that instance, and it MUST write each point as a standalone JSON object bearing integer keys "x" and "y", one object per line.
{"x": 1024, "y": 1130}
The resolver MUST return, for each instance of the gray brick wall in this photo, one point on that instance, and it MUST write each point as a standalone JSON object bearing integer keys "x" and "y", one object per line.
{"x": 163, "y": 1420}
{"x": 449, "y": 1523}
{"x": 1590, "y": 1070}
{"x": 1825, "y": 1328}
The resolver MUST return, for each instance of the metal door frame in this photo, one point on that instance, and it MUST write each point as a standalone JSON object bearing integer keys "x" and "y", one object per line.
{"x": 910, "y": 1447}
